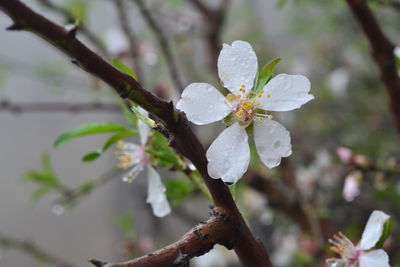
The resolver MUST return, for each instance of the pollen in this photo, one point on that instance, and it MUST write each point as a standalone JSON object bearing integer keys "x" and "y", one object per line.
{"x": 270, "y": 117}
{"x": 120, "y": 144}
{"x": 230, "y": 97}
{"x": 268, "y": 95}
{"x": 247, "y": 105}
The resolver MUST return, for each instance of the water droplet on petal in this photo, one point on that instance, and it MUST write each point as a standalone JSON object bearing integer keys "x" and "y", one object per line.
{"x": 58, "y": 209}
{"x": 277, "y": 144}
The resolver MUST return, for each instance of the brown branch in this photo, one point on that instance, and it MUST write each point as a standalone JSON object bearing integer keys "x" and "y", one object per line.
{"x": 196, "y": 242}
{"x": 163, "y": 43}
{"x": 382, "y": 51}
{"x": 133, "y": 44}
{"x": 82, "y": 27}
{"x": 249, "y": 250}
{"x": 214, "y": 20}
{"x": 35, "y": 252}
{"x": 31, "y": 107}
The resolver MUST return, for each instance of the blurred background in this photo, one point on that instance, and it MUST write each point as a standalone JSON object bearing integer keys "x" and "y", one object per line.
{"x": 345, "y": 162}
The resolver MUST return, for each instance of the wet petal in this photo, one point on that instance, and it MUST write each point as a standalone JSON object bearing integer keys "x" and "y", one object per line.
{"x": 237, "y": 66}
{"x": 229, "y": 155}
{"x": 373, "y": 230}
{"x": 286, "y": 92}
{"x": 375, "y": 258}
{"x": 131, "y": 175}
{"x": 156, "y": 194}
{"x": 144, "y": 129}
{"x": 272, "y": 142}
{"x": 203, "y": 104}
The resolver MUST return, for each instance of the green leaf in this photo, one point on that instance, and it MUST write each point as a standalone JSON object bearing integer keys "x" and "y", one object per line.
{"x": 39, "y": 193}
{"x": 44, "y": 177}
{"x": 177, "y": 190}
{"x": 124, "y": 68}
{"x": 266, "y": 73}
{"x": 78, "y": 9}
{"x": 91, "y": 156}
{"x": 387, "y": 230}
{"x": 88, "y": 129}
{"x": 161, "y": 151}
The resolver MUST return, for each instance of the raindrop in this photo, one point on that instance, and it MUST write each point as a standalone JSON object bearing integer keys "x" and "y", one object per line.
{"x": 58, "y": 209}
{"x": 277, "y": 144}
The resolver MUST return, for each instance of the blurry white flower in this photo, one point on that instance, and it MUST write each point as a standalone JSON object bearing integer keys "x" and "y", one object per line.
{"x": 213, "y": 258}
{"x": 361, "y": 255}
{"x": 133, "y": 157}
{"x": 338, "y": 81}
{"x": 344, "y": 154}
{"x": 229, "y": 154}
{"x": 351, "y": 188}
{"x": 116, "y": 41}
{"x": 397, "y": 51}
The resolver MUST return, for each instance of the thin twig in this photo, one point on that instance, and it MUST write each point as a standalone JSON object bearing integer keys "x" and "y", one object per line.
{"x": 32, "y": 107}
{"x": 32, "y": 250}
{"x": 133, "y": 43}
{"x": 382, "y": 51}
{"x": 214, "y": 20}
{"x": 163, "y": 43}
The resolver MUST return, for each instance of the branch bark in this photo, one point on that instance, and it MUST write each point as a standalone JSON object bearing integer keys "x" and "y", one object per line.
{"x": 196, "y": 242}
{"x": 382, "y": 51}
{"x": 249, "y": 250}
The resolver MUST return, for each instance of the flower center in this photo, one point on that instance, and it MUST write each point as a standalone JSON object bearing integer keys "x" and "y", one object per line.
{"x": 130, "y": 154}
{"x": 350, "y": 254}
{"x": 245, "y": 106}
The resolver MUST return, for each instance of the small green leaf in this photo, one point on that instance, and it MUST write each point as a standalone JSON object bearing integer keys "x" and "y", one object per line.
{"x": 78, "y": 9}
{"x": 177, "y": 190}
{"x": 91, "y": 156}
{"x": 124, "y": 68}
{"x": 387, "y": 230}
{"x": 266, "y": 73}
{"x": 161, "y": 151}
{"x": 44, "y": 177}
{"x": 39, "y": 193}
{"x": 88, "y": 129}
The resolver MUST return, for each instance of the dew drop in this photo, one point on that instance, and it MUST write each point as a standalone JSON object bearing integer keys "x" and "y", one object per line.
{"x": 277, "y": 144}
{"x": 58, "y": 209}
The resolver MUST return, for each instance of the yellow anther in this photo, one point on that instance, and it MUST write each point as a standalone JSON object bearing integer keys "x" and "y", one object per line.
{"x": 129, "y": 181}
{"x": 256, "y": 103}
{"x": 270, "y": 117}
{"x": 239, "y": 114}
{"x": 247, "y": 105}
{"x": 120, "y": 144}
{"x": 268, "y": 95}
{"x": 250, "y": 111}
{"x": 248, "y": 95}
{"x": 230, "y": 97}
{"x": 243, "y": 86}
{"x": 238, "y": 96}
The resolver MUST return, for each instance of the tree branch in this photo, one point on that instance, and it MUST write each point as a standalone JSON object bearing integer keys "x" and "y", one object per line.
{"x": 82, "y": 27}
{"x": 249, "y": 250}
{"x": 6, "y": 105}
{"x": 382, "y": 51}
{"x": 196, "y": 242}
{"x": 164, "y": 44}
{"x": 33, "y": 251}
{"x": 214, "y": 20}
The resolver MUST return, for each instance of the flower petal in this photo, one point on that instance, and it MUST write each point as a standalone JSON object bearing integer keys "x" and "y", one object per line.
{"x": 373, "y": 230}
{"x": 156, "y": 194}
{"x": 237, "y": 66}
{"x": 144, "y": 129}
{"x": 272, "y": 142}
{"x": 286, "y": 92}
{"x": 203, "y": 104}
{"x": 229, "y": 155}
{"x": 375, "y": 258}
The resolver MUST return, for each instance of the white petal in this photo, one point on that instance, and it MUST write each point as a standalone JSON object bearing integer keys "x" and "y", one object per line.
{"x": 132, "y": 173}
{"x": 229, "y": 155}
{"x": 373, "y": 230}
{"x": 375, "y": 258}
{"x": 203, "y": 104}
{"x": 144, "y": 129}
{"x": 237, "y": 66}
{"x": 156, "y": 194}
{"x": 272, "y": 142}
{"x": 286, "y": 92}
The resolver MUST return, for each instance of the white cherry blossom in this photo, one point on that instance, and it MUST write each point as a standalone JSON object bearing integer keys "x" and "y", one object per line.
{"x": 362, "y": 254}
{"x": 229, "y": 154}
{"x": 134, "y": 159}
